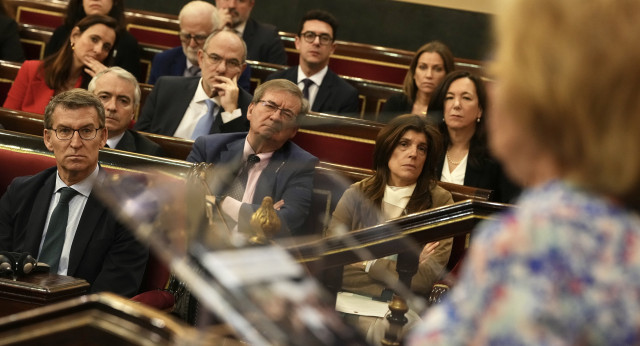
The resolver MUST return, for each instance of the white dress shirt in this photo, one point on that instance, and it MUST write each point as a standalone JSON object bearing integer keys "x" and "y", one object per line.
{"x": 457, "y": 176}
{"x": 317, "y": 80}
{"x": 197, "y": 109}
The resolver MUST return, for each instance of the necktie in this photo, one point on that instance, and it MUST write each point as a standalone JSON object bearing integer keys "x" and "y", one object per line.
{"x": 54, "y": 240}
{"x": 193, "y": 71}
{"x": 237, "y": 187}
{"x": 307, "y": 84}
{"x": 206, "y": 121}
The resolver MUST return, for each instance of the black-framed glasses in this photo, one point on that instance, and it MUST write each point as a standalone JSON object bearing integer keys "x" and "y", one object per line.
{"x": 310, "y": 36}
{"x": 186, "y": 38}
{"x": 217, "y": 59}
{"x": 66, "y": 133}
{"x": 271, "y": 107}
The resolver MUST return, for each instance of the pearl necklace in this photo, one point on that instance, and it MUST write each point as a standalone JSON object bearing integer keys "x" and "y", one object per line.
{"x": 451, "y": 161}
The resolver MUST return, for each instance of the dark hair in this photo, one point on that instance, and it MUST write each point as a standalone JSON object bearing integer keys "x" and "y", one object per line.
{"x": 435, "y": 112}
{"x": 73, "y": 99}
{"x": 75, "y": 12}
{"x": 322, "y": 16}
{"x": 409, "y": 87}
{"x": 56, "y": 68}
{"x": 386, "y": 142}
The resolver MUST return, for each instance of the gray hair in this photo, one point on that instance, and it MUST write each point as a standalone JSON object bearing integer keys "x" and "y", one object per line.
{"x": 73, "y": 99}
{"x": 282, "y": 85}
{"x": 122, "y": 74}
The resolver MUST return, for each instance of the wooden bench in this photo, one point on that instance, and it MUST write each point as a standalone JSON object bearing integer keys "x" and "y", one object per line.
{"x": 371, "y": 62}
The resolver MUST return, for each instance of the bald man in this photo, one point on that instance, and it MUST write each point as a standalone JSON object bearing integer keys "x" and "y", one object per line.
{"x": 194, "y": 106}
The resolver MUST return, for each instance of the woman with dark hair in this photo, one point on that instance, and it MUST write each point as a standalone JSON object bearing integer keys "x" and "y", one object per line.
{"x": 459, "y": 106}
{"x": 429, "y": 66}
{"x": 10, "y": 47}
{"x": 404, "y": 182}
{"x": 126, "y": 53}
{"x": 90, "y": 45}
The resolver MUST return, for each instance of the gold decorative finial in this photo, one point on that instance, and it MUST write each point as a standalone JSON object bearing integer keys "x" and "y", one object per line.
{"x": 265, "y": 222}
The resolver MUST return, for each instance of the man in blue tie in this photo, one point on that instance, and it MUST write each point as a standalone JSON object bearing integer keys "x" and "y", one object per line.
{"x": 54, "y": 216}
{"x": 187, "y": 107}
{"x": 271, "y": 164}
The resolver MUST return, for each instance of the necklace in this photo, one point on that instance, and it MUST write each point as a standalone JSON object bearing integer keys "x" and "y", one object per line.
{"x": 451, "y": 161}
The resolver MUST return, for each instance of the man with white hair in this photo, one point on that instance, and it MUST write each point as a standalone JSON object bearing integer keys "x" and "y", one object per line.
{"x": 119, "y": 92}
{"x": 198, "y": 19}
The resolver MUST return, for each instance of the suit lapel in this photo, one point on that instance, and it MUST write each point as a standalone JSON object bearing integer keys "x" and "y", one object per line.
{"x": 38, "y": 217}
{"x": 126, "y": 143}
{"x": 324, "y": 91}
{"x": 91, "y": 216}
{"x": 233, "y": 152}
{"x": 179, "y": 103}
{"x": 268, "y": 182}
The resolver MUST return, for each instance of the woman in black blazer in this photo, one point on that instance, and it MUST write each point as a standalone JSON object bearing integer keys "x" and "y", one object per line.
{"x": 458, "y": 106}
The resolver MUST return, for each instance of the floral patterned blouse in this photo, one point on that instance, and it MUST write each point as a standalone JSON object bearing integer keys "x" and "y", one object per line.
{"x": 562, "y": 268}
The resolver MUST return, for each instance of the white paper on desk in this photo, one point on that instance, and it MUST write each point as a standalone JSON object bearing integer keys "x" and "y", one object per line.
{"x": 356, "y": 304}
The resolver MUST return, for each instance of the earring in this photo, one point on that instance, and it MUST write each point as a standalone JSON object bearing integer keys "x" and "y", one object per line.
{"x": 478, "y": 119}
{"x": 73, "y": 46}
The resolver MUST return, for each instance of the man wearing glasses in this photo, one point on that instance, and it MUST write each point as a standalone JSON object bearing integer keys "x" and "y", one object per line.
{"x": 194, "y": 106}
{"x": 265, "y": 161}
{"x": 54, "y": 216}
{"x": 326, "y": 92}
{"x": 198, "y": 19}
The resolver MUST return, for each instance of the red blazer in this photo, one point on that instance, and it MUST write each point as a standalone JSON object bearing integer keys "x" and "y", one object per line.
{"x": 29, "y": 92}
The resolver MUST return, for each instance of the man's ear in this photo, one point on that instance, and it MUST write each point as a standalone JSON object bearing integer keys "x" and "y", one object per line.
{"x": 295, "y": 130}
{"x": 250, "y": 111}
{"x": 46, "y": 136}
{"x": 297, "y": 41}
{"x": 200, "y": 57}
{"x": 105, "y": 135}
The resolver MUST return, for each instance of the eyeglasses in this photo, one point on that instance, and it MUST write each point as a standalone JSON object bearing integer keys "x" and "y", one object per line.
{"x": 217, "y": 59}
{"x": 310, "y": 36}
{"x": 66, "y": 133}
{"x": 271, "y": 107}
{"x": 186, "y": 38}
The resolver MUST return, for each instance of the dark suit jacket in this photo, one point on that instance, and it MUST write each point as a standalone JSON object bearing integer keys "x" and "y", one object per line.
{"x": 127, "y": 50}
{"x": 173, "y": 62}
{"x": 335, "y": 96}
{"x": 263, "y": 43}
{"x": 104, "y": 252}
{"x": 487, "y": 173}
{"x": 165, "y": 106}
{"x": 288, "y": 177}
{"x": 137, "y": 143}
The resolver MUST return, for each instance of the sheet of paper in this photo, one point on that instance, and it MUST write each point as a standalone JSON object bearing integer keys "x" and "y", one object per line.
{"x": 356, "y": 304}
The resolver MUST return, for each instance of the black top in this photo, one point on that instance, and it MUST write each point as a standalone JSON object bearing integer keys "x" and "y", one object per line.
{"x": 10, "y": 47}
{"x": 126, "y": 51}
{"x": 397, "y": 104}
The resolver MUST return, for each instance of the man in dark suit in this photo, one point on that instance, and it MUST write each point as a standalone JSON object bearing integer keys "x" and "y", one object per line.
{"x": 263, "y": 41}
{"x": 198, "y": 19}
{"x": 283, "y": 172}
{"x": 85, "y": 241}
{"x": 326, "y": 92}
{"x": 193, "y": 106}
{"x": 119, "y": 92}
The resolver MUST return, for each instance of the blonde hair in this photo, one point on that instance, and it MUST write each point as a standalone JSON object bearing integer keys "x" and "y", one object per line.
{"x": 569, "y": 74}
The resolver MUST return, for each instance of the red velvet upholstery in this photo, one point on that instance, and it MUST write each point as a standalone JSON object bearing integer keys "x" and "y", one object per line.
{"x": 342, "y": 150}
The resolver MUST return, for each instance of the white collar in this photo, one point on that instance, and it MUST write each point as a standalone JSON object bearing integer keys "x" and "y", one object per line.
{"x": 316, "y": 78}
{"x": 398, "y": 195}
{"x": 113, "y": 141}
{"x": 83, "y": 187}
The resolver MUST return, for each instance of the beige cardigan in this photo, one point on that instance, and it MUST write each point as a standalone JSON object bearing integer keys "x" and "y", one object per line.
{"x": 355, "y": 212}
